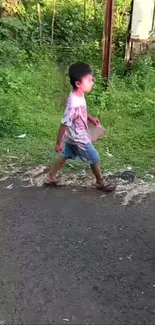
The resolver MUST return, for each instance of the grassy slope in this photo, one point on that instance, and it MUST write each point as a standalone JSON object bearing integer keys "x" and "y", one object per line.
{"x": 127, "y": 112}
{"x": 130, "y": 121}
{"x": 39, "y": 110}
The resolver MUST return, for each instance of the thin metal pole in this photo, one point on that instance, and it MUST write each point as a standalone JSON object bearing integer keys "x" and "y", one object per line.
{"x": 129, "y": 45}
{"x": 107, "y": 44}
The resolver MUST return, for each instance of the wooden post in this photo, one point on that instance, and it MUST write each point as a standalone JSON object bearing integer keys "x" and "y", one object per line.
{"x": 107, "y": 43}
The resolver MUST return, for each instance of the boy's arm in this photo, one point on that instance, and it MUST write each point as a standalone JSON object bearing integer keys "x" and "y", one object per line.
{"x": 66, "y": 122}
{"x": 62, "y": 130}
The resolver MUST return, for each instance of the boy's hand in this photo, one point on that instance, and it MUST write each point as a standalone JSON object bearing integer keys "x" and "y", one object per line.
{"x": 95, "y": 121}
{"x": 58, "y": 148}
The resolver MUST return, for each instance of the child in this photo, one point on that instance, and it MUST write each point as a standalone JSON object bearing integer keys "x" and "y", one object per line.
{"x": 74, "y": 127}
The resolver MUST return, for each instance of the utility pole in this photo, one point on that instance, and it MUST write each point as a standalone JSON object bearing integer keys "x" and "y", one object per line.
{"x": 107, "y": 40}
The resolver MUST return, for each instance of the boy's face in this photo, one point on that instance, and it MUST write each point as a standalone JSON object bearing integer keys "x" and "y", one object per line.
{"x": 86, "y": 83}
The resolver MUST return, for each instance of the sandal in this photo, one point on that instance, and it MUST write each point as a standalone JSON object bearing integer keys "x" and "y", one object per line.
{"x": 106, "y": 187}
{"x": 54, "y": 184}
{"x": 50, "y": 184}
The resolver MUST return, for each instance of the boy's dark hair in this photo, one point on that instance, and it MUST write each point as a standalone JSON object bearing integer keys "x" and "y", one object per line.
{"x": 77, "y": 71}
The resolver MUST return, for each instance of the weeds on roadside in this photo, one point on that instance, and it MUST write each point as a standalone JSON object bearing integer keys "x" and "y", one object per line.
{"x": 32, "y": 98}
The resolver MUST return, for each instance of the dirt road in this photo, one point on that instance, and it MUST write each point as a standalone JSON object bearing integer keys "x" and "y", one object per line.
{"x": 70, "y": 257}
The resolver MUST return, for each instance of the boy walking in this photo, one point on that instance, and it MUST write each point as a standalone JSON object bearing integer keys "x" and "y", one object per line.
{"x": 74, "y": 128}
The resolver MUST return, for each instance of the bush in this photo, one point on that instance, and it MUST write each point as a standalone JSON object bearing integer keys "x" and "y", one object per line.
{"x": 12, "y": 54}
{"x": 26, "y": 92}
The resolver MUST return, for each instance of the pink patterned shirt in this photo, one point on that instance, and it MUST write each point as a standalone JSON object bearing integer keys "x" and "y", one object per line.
{"x": 76, "y": 118}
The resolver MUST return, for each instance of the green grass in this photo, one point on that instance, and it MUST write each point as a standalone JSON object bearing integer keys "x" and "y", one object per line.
{"x": 127, "y": 110}
{"x": 130, "y": 123}
{"x": 39, "y": 103}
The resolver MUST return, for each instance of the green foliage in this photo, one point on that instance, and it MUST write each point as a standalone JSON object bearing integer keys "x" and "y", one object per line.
{"x": 10, "y": 7}
{"x": 33, "y": 96}
{"x": 12, "y": 54}
{"x": 33, "y": 86}
{"x": 75, "y": 22}
{"x": 28, "y": 92}
{"x": 70, "y": 20}
{"x": 127, "y": 110}
{"x": 121, "y": 21}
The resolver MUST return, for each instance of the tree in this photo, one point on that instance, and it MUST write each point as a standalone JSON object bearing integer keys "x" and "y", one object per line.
{"x": 8, "y": 7}
{"x": 53, "y": 20}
